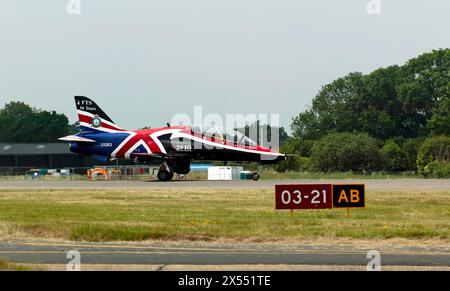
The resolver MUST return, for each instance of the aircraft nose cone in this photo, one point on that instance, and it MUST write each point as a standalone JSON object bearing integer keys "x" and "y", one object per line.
{"x": 281, "y": 158}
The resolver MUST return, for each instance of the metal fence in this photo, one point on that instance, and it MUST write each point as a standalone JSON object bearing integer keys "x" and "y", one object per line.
{"x": 114, "y": 172}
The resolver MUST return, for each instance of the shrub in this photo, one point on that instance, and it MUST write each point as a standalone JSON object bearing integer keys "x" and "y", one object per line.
{"x": 346, "y": 152}
{"x": 434, "y": 156}
{"x": 290, "y": 164}
{"x": 411, "y": 148}
{"x": 294, "y": 163}
{"x": 394, "y": 158}
{"x": 304, "y": 164}
{"x": 438, "y": 169}
{"x": 301, "y": 147}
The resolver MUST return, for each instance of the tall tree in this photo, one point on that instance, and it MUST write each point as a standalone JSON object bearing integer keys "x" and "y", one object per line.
{"x": 409, "y": 101}
{"x": 20, "y": 122}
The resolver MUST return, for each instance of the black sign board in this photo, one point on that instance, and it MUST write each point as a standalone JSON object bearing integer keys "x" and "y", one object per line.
{"x": 349, "y": 195}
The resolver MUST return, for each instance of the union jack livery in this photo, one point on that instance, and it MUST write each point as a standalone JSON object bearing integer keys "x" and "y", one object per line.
{"x": 173, "y": 147}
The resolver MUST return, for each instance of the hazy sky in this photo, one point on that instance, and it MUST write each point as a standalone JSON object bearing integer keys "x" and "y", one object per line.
{"x": 144, "y": 61}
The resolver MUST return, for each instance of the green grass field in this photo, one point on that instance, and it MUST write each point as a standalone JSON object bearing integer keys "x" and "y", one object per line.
{"x": 210, "y": 215}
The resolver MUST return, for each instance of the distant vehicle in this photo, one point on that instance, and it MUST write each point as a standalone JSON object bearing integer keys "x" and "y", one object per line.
{"x": 37, "y": 173}
{"x": 174, "y": 147}
{"x": 94, "y": 173}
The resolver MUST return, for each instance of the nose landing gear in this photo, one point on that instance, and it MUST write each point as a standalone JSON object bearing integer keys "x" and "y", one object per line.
{"x": 256, "y": 175}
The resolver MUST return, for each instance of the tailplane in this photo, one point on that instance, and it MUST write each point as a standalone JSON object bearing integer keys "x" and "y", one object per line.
{"x": 92, "y": 117}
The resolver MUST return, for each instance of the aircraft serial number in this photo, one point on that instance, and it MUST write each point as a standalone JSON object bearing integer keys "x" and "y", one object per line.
{"x": 183, "y": 147}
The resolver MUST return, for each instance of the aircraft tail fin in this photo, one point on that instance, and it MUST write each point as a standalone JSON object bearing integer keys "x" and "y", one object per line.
{"x": 92, "y": 117}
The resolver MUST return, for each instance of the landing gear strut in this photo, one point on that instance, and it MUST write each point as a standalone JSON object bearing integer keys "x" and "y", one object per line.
{"x": 256, "y": 175}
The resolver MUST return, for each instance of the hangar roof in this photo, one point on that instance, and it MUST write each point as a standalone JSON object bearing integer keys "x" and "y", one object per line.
{"x": 9, "y": 149}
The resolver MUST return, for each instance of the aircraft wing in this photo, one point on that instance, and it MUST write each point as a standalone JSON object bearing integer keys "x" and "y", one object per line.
{"x": 75, "y": 138}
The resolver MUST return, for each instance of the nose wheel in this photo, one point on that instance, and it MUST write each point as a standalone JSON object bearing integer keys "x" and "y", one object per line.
{"x": 256, "y": 175}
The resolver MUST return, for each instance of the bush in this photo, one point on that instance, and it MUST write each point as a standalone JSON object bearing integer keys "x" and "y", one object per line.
{"x": 394, "y": 158}
{"x": 294, "y": 163}
{"x": 338, "y": 152}
{"x": 411, "y": 148}
{"x": 301, "y": 147}
{"x": 434, "y": 156}
{"x": 437, "y": 169}
{"x": 290, "y": 164}
{"x": 304, "y": 164}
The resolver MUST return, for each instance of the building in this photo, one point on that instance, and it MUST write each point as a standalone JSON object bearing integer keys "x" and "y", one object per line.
{"x": 42, "y": 155}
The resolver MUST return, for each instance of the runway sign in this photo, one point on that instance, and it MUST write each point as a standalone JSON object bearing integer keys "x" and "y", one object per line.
{"x": 319, "y": 196}
{"x": 306, "y": 196}
{"x": 349, "y": 195}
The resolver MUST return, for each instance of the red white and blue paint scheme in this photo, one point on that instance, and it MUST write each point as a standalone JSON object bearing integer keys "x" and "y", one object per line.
{"x": 174, "y": 147}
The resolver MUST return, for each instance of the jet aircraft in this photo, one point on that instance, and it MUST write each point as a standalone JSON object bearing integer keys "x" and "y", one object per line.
{"x": 172, "y": 147}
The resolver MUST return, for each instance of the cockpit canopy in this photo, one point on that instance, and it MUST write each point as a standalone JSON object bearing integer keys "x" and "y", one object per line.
{"x": 232, "y": 136}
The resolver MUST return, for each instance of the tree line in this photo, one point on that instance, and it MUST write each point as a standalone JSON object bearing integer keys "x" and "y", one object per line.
{"x": 21, "y": 123}
{"x": 387, "y": 120}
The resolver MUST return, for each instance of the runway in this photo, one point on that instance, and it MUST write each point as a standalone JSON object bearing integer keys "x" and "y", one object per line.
{"x": 222, "y": 256}
{"x": 216, "y": 254}
{"x": 379, "y": 184}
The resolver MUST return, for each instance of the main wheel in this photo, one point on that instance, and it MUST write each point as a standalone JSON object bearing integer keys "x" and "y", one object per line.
{"x": 164, "y": 175}
{"x": 255, "y": 176}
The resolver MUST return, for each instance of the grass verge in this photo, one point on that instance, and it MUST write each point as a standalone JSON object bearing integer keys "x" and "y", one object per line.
{"x": 4, "y": 266}
{"x": 210, "y": 215}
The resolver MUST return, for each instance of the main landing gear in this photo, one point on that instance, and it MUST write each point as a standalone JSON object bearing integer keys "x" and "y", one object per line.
{"x": 165, "y": 173}
{"x": 168, "y": 169}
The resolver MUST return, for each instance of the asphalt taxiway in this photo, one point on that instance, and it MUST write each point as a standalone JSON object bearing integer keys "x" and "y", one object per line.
{"x": 165, "y": 255}
{"x": 371, "y": 184}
